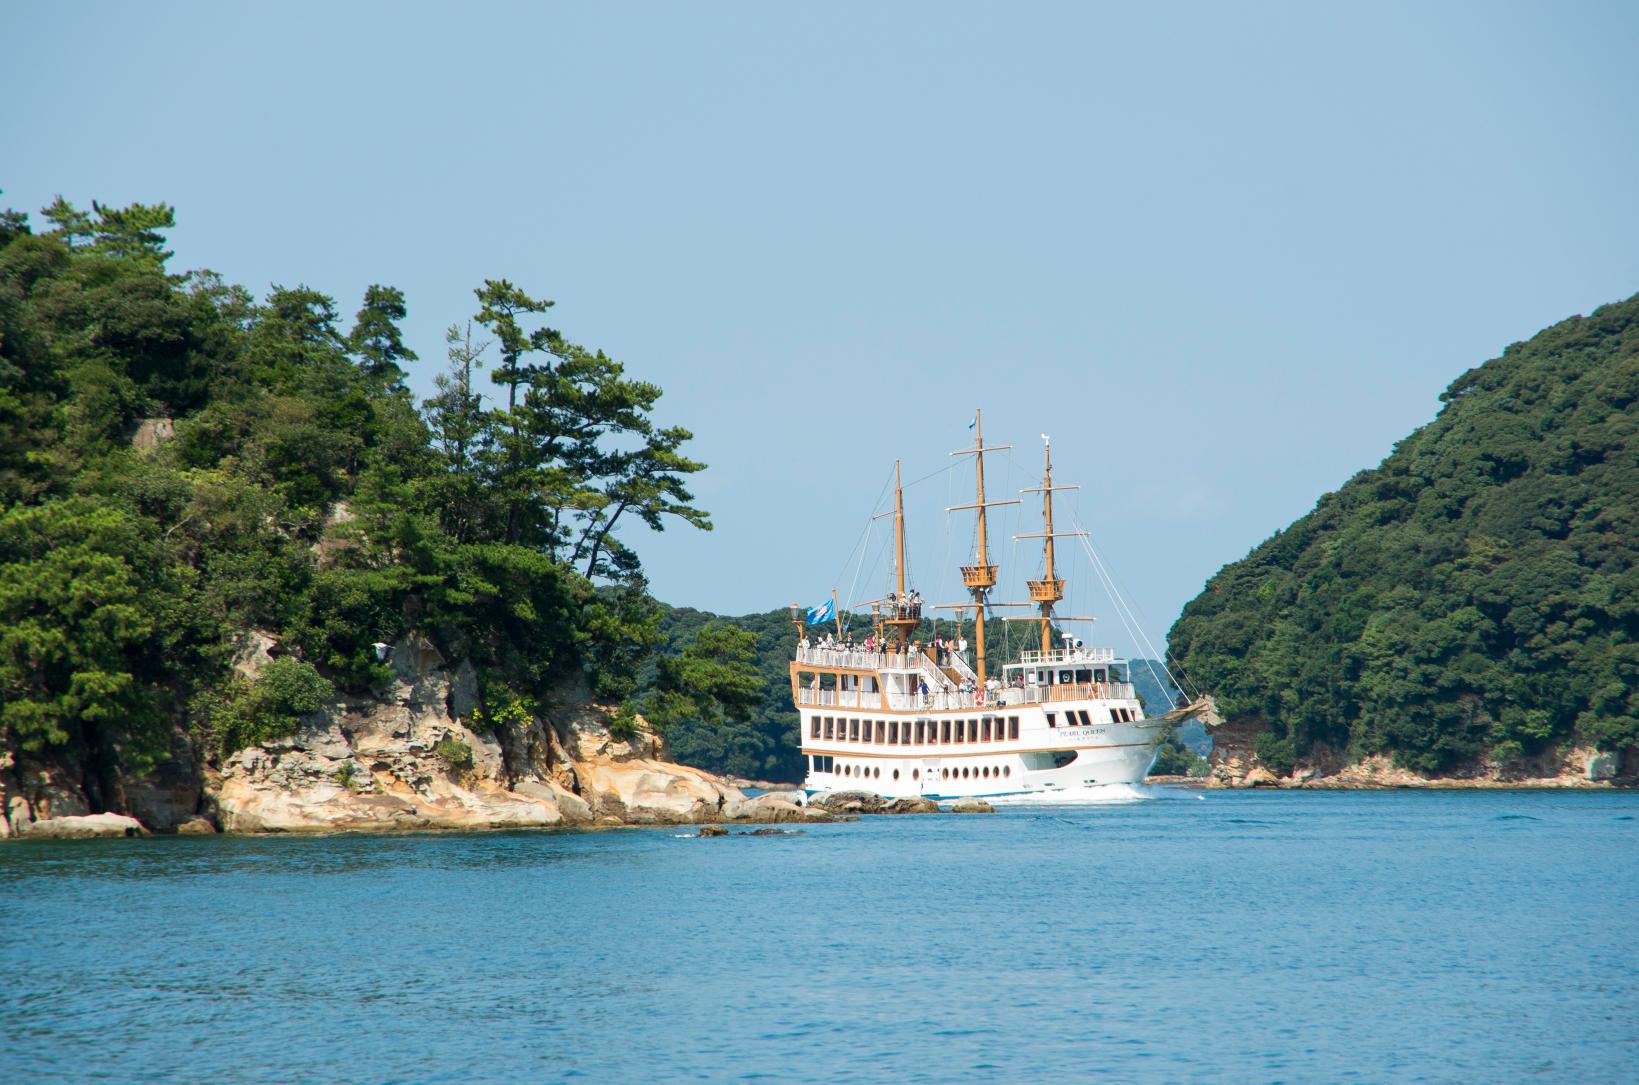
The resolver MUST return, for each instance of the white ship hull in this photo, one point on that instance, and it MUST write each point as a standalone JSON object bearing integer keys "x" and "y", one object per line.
{"x": 1040, "y": 760}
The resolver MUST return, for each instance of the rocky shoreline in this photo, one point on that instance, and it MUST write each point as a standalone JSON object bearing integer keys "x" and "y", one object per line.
{"x": 406, "y": 759}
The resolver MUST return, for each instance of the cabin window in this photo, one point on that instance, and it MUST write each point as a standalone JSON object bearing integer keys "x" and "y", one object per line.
{"x": 881, "y": 731}
{"x": 813, "y": 727}
{"x": 1052, "y": 719}
{"x": 944, "y": 731}
{"x": 916, "y": 774}
{"x": 973, "y": 730}
{"x": 1007, "y": 770}
{"x": 896, "y": 774}
{"x": 1012, "y": 727}
{"x": 1064, "y": 678}
{"x": 1086, "y": 721}
{"x": 1098, "y": 676}
{"x": 828, "y": 727}
{"x": 1063, "y": 757}
{"x": 961, "y": 731}
{"x": 877, "y": 773}
{"x": 944, "y": 774}
{"x": 893, "y": 732}
{"x": 984, "y": 734}
{"x": 1084, "y": 676}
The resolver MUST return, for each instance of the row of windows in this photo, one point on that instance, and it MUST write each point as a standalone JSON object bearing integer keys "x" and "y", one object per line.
{"x": 827, "y": 763}
{"x": 1079, "y": 717}
{"x": 919, "y": 733}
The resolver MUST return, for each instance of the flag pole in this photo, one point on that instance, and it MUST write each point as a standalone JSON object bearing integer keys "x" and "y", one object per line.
{"x": 836, "y": 612}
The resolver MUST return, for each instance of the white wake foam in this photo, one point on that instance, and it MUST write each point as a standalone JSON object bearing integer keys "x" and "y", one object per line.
{"x": 1103, "y": 795}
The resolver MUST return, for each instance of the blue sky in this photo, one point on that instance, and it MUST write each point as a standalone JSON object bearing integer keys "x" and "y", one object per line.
{"x": 1225, "y": 255}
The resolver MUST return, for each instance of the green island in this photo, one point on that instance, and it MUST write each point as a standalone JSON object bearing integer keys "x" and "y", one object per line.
{"x": 247, "y": 582}
{"x": 1469, "y": 608}
{"x": 226, "y": 516}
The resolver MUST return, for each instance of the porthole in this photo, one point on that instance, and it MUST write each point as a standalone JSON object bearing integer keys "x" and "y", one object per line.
{"x": 896, "y": 774}
{"x": 877, "y": 774}
{"x": 964, "y": 773}
{"x": 944, "y": 774}
{"x": 985, "y": 772}
{"x": 916, "y": 774}
{"x": 1007, "y": 770}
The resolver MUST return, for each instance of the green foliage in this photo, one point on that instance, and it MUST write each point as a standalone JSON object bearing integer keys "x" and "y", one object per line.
{"x": 453, "y": 752}
{"x": 624, "y": 723}
{"x": 760, "y": 738}
{"x": 1475, "y": 595}
{"x": 303, "y": 495}
{"x": 1173, "y": 758}
{"x": 346, "y": 774}
{"x": 243, "y": 713}
{"x": 712, "y": 680}
{"x": 1277, "y": 754}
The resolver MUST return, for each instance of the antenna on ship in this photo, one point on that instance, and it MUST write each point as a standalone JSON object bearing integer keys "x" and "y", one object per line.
{"x": 979, "y": 577}
{"x": 1050, "y": 589}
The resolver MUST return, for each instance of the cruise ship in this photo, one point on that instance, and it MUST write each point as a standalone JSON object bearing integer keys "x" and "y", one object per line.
{"x": 900, "y": 717}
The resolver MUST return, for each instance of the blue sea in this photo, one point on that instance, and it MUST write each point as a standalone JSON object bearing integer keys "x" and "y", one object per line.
{"x": 1175, "y": 936}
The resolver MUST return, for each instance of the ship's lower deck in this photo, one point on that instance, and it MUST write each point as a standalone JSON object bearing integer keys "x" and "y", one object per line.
{"x": 1015, "y": 752}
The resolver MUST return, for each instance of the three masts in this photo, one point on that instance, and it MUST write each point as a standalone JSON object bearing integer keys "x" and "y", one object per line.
{"x": 901, "y": 717}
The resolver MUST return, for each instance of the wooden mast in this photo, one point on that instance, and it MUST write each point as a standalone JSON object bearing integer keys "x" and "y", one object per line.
{"x": 980, "y": 577}
{"x": 906, "y": 617}
{"x": 1056, "y": 585}
{"x": 1050, "y": 589}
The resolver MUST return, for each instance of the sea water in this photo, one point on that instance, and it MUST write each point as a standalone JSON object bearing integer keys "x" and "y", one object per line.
{"x": 1171, "y": 936}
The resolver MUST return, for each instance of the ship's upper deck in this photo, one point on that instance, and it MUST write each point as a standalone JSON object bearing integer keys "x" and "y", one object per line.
{"x": 918, "y": 679}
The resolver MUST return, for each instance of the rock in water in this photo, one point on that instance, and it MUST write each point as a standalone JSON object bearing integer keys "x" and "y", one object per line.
{"x": 712, "y": 830}
{"x": 83, "y": 826}
{"x": 971, "y": 806}
{"x": 849, "y": 802}
{"x": 912, "y": 805}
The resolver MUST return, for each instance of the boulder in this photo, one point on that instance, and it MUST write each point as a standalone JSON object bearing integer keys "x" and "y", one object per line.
{"x": 1260, "y": 777}
{"x": 196, "y": 826}
{"x": 644, "y": 792}
{"x": 83, "y": 826}
{"x": 971, "y": 806}
{"x": 849, "y": 802}
{"x": 712, "y": 830}
{"x": 916, "y": 804}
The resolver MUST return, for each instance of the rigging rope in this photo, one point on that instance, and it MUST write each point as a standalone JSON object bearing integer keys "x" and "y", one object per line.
{"x": 1129, "y": 619}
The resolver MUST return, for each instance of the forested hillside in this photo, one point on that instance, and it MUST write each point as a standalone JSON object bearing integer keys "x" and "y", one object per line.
{"x": 1473, "y": 597}
{"x": 182, "y": 462}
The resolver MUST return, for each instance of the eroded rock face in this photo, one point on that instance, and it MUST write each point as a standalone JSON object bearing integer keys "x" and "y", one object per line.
{"x": 30, "y": 795}
{"x": 407, "y": 759}
{"x": 971, "y": 806}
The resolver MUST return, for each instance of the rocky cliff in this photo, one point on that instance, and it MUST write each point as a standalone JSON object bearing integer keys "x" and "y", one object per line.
{"x": 406, "y": 758}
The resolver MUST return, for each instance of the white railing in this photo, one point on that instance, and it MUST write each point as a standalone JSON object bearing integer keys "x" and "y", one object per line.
{"x": 840, "y": 698}
{"x": 1069, "y": 655}
{"x": 858, "y": 659}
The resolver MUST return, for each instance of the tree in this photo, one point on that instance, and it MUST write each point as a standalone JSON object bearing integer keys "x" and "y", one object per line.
{"x": 376, "y": 338}
{"x": 461, "y": 434}
{"x": 714, "y": 680}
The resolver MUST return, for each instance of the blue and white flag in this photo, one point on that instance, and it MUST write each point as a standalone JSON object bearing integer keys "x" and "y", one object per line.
{"x": 973, "y": 423}
{"x": 821, "y": 614}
